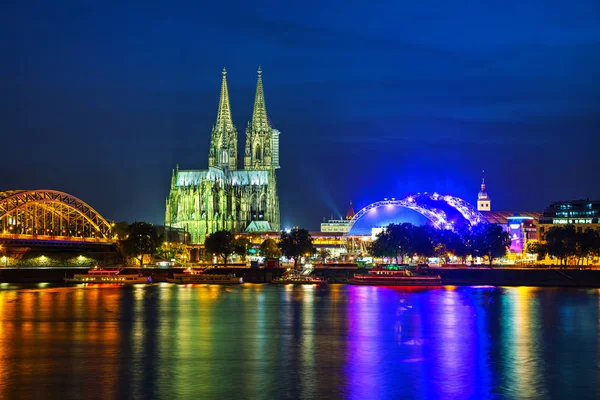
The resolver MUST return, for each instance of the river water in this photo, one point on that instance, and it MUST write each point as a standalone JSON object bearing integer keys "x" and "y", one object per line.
{"x": 166, "y": 341}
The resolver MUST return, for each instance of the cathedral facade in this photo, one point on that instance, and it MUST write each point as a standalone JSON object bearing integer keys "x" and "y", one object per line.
{"x": 224, "y": 196}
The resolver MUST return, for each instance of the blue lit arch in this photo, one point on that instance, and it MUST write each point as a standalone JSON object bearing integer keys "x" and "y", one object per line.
{"x": 444, "y": 212}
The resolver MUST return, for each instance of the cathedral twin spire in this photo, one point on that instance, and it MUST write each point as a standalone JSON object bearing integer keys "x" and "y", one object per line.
{"x": 223, "y": 147}
{"x": 224, "y": 115}
{"x": 259, "y": 134}
{"x": 259, "y": 115}
{"x": 223, "y": 141}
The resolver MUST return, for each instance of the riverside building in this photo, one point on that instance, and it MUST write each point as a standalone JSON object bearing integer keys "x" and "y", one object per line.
{"x": 339, "y": 225}
{"x": 582, "y": 214}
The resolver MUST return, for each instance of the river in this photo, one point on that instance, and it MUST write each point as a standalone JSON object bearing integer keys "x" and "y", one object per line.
{"x": 256, "y": 341}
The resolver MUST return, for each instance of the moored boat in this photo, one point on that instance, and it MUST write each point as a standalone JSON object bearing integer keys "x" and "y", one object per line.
{"x": 395, "y": 277}
{"x": 296, "y": 277}
{"x": 199, "y": 276}
{"x": 110, "y": 276}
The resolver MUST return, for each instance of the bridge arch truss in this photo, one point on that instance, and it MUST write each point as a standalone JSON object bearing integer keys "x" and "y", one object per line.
{"x": 50, "y": 213}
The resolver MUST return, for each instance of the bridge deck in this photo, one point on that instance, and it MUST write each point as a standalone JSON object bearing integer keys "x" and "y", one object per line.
{"x": 50, "y": 239}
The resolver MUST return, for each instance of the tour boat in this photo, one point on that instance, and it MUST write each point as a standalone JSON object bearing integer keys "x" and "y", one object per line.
{"x": 296, "y": 277}
{"x": 395, "y": 277}
{"x": 198, "y": 276}
{"x": 100, "y": 275}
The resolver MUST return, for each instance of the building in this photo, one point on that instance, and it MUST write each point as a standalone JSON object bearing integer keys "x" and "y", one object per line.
{"x": 484, "y": 203}
{"x": 224, "y": 196}
{"x": 582, "y": 214}
{"x": 339, "y": 225}
{"x": 521, "y": 226}
{"x": 521, "y": 229}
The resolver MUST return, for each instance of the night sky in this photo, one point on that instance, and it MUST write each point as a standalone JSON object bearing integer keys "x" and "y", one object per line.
{"x": 373, "y": 99}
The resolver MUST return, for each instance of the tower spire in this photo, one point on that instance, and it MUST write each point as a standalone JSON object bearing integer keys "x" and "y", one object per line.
{"x": 224, "y": 115}
{"x": 482, "y": 181}
{"x": 259, "y": 115}
{"x": 223, "y": 142}
{"x": 483, "y": 199}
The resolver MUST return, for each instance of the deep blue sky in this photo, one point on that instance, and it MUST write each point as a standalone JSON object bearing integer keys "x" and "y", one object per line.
{"x": 373, "y": 99}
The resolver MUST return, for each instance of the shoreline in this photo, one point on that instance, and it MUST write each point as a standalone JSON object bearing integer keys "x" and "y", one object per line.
{"x": 484, "y": 276}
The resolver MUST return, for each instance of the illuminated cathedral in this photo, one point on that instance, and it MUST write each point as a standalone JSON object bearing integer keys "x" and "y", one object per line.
{"x": 225, "y": 197}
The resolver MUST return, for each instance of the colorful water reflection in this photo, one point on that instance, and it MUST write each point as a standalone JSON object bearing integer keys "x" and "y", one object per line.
{"x": 263, "y": 341}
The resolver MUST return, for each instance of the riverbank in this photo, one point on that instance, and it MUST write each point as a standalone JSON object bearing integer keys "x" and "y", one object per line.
{"x": 450, "y": 276}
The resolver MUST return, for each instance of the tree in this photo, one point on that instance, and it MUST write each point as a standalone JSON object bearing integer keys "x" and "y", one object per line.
{"x": 296, "y": 243}
{"x": 537, "y": 248}
{"x": 220, "y": 244}
{"x": 490, "y": 240}
{"x": 587, "y": 242}
{"x": 400, "y": 240}
{"x": 269, "y": 249}
{"x": 120, "y": 230}
{"x": 241, "y": 246}
{"x": 142, "y": 239}
{"x": 456, "y": 245}
{"x": 172, "y": 250}
{"x": 444, "y": 242}
{"x": 420, "y": 241}
{"x": 532, "y": 247}
{"x": 562, "y": 242}
{"x": 382, "y": 246}
{"x": 324, "y": 254}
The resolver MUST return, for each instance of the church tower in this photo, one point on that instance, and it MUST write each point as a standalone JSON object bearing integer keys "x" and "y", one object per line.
{"x": 223, "y": 140}
{"x": 483, "y": 200}
{"x": 261, "y": 153}
{"x": 258, "y": 153}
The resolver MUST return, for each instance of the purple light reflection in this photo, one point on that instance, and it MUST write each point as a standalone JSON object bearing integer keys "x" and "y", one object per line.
{"x": 429, "y": 344}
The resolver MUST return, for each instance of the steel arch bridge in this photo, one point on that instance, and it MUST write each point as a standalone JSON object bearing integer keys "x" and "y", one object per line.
{"x": 50, "y": 215}
{"x": 444, "y": 212}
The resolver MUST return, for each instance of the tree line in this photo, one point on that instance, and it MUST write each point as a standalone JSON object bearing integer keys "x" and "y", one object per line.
{"x": 566, "y": 243}
{"x": 141, "y": 239}
{"x": 293, "y": 244}
{"x": 401, "y": 241}
{"x": 397, "y": 241}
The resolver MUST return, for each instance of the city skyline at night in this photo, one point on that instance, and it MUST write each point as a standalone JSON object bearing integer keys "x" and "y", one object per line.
{"x": 101, "y": 101}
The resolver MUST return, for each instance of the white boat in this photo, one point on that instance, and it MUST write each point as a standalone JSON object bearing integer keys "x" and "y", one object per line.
{"x": 111, "y": 276}
{"x": 199, "y": 276}
{"x": 304, "y": 277}
{"x": 393, "y": 276}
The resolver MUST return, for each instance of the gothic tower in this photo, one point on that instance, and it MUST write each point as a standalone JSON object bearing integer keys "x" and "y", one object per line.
{"x": 260, "y": 153}
{"x": 259, "y": 134}
{"x": 223, "y": 140}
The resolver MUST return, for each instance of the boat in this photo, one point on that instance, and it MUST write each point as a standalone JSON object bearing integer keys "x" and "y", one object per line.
{"x": 110, "y": 276}
{"x": 200, "y": 276}
{"x": 393, "y": 276}
{"x": 299, "y": 277}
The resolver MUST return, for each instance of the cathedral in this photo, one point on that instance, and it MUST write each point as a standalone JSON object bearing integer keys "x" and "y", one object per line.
{"x": 224, "y": 196}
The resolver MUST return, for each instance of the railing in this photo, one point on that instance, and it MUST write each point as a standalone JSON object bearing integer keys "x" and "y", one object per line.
{"x": 55, "y": 238}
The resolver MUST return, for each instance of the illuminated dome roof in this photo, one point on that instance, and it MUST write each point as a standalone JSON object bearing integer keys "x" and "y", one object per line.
{"x": 446, "y": 212}
{"x": 383, "y": 216}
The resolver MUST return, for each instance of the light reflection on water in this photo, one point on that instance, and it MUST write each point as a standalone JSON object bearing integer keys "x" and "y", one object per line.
{"x": 267, "y": 341}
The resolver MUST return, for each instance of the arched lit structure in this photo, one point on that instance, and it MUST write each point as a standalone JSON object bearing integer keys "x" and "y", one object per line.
{"x": 442, "y": 211}
{"x": 50, "y": 214}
